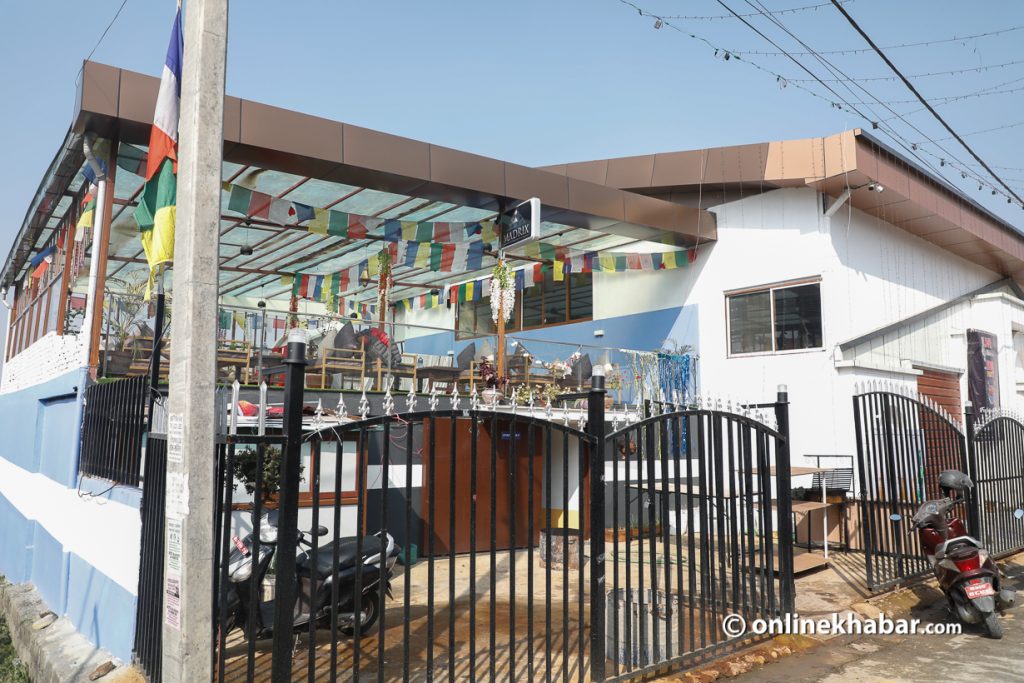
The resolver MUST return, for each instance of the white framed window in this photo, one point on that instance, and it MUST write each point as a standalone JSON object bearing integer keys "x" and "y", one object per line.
{"x": 774, "y": 318}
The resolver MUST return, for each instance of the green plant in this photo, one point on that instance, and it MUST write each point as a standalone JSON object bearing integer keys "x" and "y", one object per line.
{"x": 244, "y": 469}
{"x": 673, "y": 348}
{"x": 12, "y": 670}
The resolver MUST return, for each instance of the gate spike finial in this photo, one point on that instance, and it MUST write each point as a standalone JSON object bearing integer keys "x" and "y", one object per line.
{"x": 533, "y": 407}
{"x": 456, "y": 399}
{"x": 410, "y": 399}
{"x": 364, "y": 404}
{"x": 434, "y": 398}
{"x": 474, "y": 399}
{"x": 548, "y": 410}
{"x": 342, "y": 410}
{"x": 389, "y": 401}
{"x": 318, "y": 415}
{"x": 515, "y": 399}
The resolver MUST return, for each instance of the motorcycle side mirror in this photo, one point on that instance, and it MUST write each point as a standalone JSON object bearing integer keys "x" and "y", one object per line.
{"x": 895, "y": 517}
{"x": 1018, "y": 513}
{"x": 321, "y": 530}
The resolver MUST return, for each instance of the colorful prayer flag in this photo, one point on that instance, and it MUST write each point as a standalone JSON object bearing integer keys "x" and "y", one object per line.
{"x": 156, "y": 212}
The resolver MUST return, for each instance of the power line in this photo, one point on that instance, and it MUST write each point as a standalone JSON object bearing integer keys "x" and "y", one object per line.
{"x": 866, "y": 79}
{"x": 834, "y": 70}
{"x": 792, "y": 10}
{"x": 102, "y": 36}
{"x": 979, "y": 132}
{"x": 856, "y": 51}
{"x": 984, "y": 92}
{"x": 910, "y": 86}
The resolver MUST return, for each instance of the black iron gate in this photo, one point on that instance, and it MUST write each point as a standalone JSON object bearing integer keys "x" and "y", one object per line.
{"x": 996, "y": 448}
{"x": 149, "y": 607}
{"x": 903, "y": 442}
{"x": 535, "y": 543}
{"x": 695, "y": 497}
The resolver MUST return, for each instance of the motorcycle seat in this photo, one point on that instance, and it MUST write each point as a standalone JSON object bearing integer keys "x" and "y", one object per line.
{"x": 372, "y": 545}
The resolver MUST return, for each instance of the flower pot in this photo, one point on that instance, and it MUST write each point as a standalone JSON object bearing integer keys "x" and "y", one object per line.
{"x": 490, "y": 396}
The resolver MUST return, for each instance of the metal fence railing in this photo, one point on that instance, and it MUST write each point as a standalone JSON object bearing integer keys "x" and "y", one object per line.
{"x": 113, "y": 429}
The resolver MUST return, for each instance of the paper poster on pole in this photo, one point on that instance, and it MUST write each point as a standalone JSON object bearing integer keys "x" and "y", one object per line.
{"x": 177, "y": 495}
{"x": 172, "y": 607}
{"x": 175, "y": 438}
{"x": 174, "y": 536}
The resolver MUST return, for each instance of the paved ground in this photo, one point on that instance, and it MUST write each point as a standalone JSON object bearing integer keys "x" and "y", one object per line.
{"x": 966, "y": 657}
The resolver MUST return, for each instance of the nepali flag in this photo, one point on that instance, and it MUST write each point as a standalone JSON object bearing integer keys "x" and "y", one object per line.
{"x": 156, "y": 212}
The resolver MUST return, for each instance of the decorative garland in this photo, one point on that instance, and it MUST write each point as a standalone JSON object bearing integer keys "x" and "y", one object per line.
{"x": 503, "y": 291}
{"x": 385, "y": 279}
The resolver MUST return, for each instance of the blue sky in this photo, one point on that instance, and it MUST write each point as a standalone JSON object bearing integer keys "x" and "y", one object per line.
{"x": 531, "y": 81}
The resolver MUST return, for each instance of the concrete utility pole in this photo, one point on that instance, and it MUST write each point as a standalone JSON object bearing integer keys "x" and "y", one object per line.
{"x": 192, "y": 420}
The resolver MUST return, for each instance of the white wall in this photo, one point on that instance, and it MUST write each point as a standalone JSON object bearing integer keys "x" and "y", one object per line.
{"x": 872, "y": 274}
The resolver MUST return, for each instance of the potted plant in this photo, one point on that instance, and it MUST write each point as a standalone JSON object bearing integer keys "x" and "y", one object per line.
{"x": 613, "y": 381}
{"x": 494, "y": 384}
{"x": 244, "y": 469}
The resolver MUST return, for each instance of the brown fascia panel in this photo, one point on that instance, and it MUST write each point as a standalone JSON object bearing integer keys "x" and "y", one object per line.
{"x": 117, "y": 102}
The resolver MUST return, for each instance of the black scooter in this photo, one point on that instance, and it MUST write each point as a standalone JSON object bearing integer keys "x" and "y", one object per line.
{"x": 315, "y": 581}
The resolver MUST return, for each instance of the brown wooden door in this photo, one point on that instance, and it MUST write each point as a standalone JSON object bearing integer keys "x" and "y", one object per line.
{"x": 511, "y": 506}
{"x": 944, "y": 389}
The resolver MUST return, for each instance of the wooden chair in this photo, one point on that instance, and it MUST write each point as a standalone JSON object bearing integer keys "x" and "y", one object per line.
{"x": 349, "y": 363}
{"x": 142, "y": 351}
{"x": 236, "y": 355}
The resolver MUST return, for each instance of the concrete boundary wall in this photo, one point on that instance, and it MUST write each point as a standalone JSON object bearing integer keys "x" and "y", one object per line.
{"x": 75, "y": 540}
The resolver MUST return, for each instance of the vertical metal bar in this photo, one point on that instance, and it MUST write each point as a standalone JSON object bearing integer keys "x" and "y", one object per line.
{"x": 407, "y": 593}
{"x": 385, "y": 468}
{"x": 865, "y": 521}
{"x": 493, "y": 573}
{"x": 255, "y": 620}
{"x": 315, "y": 453}
{"x": 565, "y": 556}
{"x": 678, "y": 434}
{"x": 787, "y": 587}
{"x": 339, "y": 464}
{"x": 547, "y": 552}
{"x": 595, "y": 429}
{"x": 474, "y": 426}
{"x": 513, "y": 521}
{"x": 716, "y": 470}
{"x": 227, "y": 484}
{"x": 531, "y": 540}
{"x": 973, "y": 509}
{"x": 431, "y": 532}
{"x": 703, "y": 491}
{"x": 452, "y": 489}
{"x": 652, "y": 497}
{"x": 362, "y": 493}
{"x": 284, "y": 618}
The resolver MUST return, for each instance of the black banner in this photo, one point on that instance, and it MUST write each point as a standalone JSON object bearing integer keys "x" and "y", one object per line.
{"x": 982, "y": 369}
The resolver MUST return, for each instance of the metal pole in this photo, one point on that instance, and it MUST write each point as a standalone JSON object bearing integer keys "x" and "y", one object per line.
{"x": 154, "y": 361}
{"x": 596, "y": 427}
{"x": 973, "y": 511}
{"x": 787, "y": 589}
{"x": 192, "y": 414}
{"x": 287, "y": 528}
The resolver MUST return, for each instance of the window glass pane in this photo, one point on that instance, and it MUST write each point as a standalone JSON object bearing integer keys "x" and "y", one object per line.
{"x": 533, "y": 298}
{"x": 554, "y": 300}
{"x": 581, "y": 296}
{"x": 475, "y": 318}
{"x": 798, "y": 317}
{"x": 750, "y": 323}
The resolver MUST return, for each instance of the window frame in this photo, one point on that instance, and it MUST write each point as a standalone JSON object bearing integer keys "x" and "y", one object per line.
{"x": 516, "y": 323}
{"x": 771, "y": 288}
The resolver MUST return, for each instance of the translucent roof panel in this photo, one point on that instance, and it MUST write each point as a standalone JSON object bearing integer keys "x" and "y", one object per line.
{"x": 321, "y": 193}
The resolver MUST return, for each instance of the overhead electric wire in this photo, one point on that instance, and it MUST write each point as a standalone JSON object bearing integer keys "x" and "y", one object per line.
{"x": 832, "y": 69}
{"x": 952, "y": 72}
{"x": 102, "y": 36}
{"x": 791, "y": 10}
{"x": 855, "y": 51}
{"x": 927, "y": 105}
{"x": 839, "y": 102}
{"x": 911, "y": 148}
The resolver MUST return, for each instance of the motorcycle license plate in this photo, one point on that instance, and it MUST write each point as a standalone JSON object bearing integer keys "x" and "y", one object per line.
{"x": 979, "y": 590}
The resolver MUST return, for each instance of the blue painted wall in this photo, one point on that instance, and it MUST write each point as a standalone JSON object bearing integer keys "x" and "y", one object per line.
{"x": 640, "y": 331}
{"x": 40, "y": 428}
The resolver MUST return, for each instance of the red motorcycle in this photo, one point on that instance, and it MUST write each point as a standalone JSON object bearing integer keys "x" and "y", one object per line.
{"x": 967, "y": 575}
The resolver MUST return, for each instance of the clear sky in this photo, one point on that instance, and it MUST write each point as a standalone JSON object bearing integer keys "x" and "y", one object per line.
{"x": 534, "y": 81}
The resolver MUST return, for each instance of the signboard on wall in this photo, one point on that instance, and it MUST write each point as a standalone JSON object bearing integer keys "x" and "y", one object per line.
{"x": 982, "y": 369}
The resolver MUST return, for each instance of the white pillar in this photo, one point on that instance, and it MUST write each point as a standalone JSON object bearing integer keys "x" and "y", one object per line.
{"x": 99, "y": 229}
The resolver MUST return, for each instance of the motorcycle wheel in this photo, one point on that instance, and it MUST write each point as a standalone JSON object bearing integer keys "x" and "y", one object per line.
{"x": 992, "y": 625}
{"x": 370, "y": 605}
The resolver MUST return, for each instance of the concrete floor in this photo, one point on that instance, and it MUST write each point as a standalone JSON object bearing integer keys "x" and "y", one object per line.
{"x": 519, "y": 642}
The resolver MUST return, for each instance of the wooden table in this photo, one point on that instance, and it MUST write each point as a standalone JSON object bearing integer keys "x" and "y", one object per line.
{"x": 438, "y": 373}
